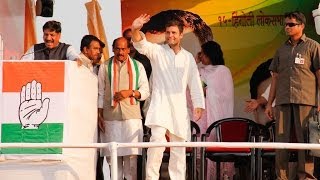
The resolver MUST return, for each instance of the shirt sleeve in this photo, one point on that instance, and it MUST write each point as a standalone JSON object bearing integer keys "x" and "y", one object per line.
{"x": 143, "y": 83}
{"x": 275, "y": 62}
{"x": 194, "y": 84}
{"x": 147, "y": 48}
{"x": 101, "y": 85}
{"x": 29, "y": 55}
{"x": 72, "y": 54}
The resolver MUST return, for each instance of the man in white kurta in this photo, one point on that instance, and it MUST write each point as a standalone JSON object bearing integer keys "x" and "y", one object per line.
{"x": 173, "y": 69}
{"x": 122, "y": 84}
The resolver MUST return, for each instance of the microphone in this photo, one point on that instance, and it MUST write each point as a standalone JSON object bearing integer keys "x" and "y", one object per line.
{"x": 39, "y": 50}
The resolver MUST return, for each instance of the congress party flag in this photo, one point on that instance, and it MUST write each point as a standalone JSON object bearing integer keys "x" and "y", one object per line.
{"x": 33, "y": 105}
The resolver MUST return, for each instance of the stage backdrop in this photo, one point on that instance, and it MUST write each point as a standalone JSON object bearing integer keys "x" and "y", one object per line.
{"x": 44, "y": 102}
{"x": 249, "y": 31}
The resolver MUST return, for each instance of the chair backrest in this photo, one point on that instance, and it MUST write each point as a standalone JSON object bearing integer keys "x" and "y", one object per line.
{"x": 235, "y": 129}
{"x": 195, "y": 129}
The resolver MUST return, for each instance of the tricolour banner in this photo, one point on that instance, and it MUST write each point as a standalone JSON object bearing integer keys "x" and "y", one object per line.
{"x": 33, "y": 105}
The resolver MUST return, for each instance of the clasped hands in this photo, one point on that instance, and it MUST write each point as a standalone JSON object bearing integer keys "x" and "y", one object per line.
{"x": 121, "y": 95}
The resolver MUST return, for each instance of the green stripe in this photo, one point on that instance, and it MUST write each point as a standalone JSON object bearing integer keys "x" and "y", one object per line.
{"x": 47, "y": 133}
{"x": 109, "y": 70}
{"x": 137, "y": 72}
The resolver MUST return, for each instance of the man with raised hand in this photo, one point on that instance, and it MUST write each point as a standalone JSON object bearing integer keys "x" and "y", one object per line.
{"x": 173, "y": 69}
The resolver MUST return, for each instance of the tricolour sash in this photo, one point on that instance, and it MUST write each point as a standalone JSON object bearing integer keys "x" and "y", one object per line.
{"x": 113, "y": 73}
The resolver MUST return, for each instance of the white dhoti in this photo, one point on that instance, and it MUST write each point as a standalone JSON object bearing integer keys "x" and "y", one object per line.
{"x": 127, "y": 131}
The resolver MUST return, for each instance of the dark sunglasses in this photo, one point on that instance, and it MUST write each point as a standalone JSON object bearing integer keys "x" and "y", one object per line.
{"x": 291, "y": 24}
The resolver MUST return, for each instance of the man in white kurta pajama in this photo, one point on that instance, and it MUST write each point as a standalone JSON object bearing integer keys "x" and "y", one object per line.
{"x": 173, "y": 69}
{"x": 122, "y": 83}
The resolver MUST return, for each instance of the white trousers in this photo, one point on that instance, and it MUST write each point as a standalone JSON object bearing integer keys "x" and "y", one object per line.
{"x": 127, "y": 167}
{"x": 177, "y": 161}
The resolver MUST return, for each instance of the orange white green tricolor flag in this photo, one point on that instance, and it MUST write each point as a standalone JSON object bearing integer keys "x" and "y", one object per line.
{"x": 32, "y": 105}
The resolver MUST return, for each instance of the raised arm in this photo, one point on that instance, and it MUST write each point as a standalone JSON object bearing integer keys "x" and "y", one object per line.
{"x": 137, "y": 25}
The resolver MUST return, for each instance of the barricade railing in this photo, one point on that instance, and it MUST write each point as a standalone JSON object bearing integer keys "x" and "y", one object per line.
{"x": 113, "y": 147}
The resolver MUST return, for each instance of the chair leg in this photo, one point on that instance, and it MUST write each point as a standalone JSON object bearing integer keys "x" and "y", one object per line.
{"x": 202, "y": 164}
{"x": 194, "y": 164}
{"x": 191, "y": 161}
{"x": 253, "y": 162}
{"x": 218, "y": 169}
{"x": 143, "y": 165}
{"x": 253, "y": 165}
{"x": 189, "y": 167}
{"x": 259, "y": 164}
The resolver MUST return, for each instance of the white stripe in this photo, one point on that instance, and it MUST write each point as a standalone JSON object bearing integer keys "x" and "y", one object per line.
{"x": 56, "y": 113}
{"x": 1, "y": 95}
{"x": 111, "y": 80}
{"x": 33, "y": 157}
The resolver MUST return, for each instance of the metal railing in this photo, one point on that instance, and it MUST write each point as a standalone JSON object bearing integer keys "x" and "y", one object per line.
{"x": 113, "y": 147}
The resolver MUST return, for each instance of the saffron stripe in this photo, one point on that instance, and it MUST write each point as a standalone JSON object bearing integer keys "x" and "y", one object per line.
{"x": 29, "y": 71}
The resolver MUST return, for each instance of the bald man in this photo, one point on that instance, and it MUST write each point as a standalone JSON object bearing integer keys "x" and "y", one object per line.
{"x": 122, "y": 84}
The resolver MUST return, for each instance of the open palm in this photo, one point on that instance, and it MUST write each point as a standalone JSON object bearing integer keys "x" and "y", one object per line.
{"x": 32, "y": 110}
{"x": 140, "y": 21}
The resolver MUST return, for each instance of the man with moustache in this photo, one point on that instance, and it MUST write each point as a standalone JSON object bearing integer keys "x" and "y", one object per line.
{"x": 52, "y": 48}
{"x": 91, "y": 51}
{"x": 122, "y": 84}
{"x": 295, "y": 83}
{"x": 173, "y": 70}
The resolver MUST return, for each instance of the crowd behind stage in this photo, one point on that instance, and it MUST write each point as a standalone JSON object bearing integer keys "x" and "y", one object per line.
{"x": 148, "y": 87}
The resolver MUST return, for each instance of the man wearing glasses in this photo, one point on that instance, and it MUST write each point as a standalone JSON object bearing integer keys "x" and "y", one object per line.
{"x": 295, "y": 75}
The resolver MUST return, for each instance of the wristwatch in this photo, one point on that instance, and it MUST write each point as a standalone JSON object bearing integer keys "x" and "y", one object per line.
{"x": 133, "y": 94}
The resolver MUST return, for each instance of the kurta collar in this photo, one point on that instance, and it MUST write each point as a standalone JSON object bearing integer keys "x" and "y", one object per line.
{"x": 169, "y": 48}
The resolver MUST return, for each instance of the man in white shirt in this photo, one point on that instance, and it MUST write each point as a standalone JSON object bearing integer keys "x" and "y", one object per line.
{"x": 91, "y": 51}
{"x": 51, "y": 48}
{"x": 173, "y": 69}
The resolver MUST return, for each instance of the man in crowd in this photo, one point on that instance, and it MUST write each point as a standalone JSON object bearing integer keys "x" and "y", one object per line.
{"x": 295, "y": 76}
{"x": 173, "y": 69}
{"x": 122, "y": 84}
{"x": 91, "y": 51}
{"x": 51, "y": 48}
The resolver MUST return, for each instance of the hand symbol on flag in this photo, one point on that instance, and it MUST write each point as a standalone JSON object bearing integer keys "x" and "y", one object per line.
{"x": 32, "y": 110}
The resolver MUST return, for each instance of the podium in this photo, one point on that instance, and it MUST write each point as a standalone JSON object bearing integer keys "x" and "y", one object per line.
{"x": 47, "y": 102}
